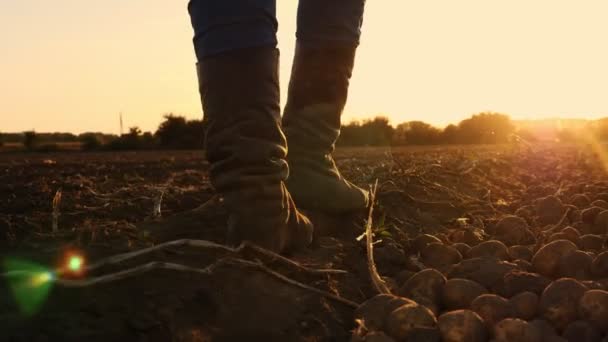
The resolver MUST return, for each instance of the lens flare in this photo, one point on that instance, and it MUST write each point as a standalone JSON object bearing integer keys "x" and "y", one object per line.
{"x": 75, "y": 263}
{"x": 41, "y": 279}
{"x": 29, "y": 283}
{"x": 71, "y": 264}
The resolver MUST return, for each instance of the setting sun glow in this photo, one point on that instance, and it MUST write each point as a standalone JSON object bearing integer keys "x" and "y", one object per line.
{"x": 74, "y": 66}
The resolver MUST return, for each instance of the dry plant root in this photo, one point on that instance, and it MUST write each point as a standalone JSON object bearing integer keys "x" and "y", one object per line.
{"x": 155, "y": 265}
{"x": 377, "y": 281}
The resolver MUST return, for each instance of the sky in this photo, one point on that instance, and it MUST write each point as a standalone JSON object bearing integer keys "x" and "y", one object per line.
{"x": 73, "y": 65}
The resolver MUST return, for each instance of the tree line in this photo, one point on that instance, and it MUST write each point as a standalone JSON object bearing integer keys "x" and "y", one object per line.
{"x": 177, "y": 132}
{"x": 483, "y": 128}
{"x": 174, "y": 132}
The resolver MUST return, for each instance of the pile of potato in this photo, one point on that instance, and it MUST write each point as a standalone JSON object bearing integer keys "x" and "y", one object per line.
{"x": 539, "y": 275}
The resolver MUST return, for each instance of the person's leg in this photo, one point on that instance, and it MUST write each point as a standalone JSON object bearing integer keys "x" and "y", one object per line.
{"x": 336, "y": 22}
{"x": 327, "y": 39}
{"x": 239, "y": 87}
{"x": 227, "y": 25}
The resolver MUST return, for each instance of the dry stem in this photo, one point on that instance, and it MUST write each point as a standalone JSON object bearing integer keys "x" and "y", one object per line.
{"x": 377, "y": 281}
{"x": 212, "y": 245}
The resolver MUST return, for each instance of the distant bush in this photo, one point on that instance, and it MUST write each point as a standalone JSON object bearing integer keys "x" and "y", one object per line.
{"x": 134, "y": 140}
{"x": 416, "y": 133}
{"x": 485, "y": 128}
{"x": 374, "y": 132}
{"x": 175, "y": 132}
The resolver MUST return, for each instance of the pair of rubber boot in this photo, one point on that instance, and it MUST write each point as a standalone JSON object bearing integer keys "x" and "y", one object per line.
{"x": 247, "y": 142}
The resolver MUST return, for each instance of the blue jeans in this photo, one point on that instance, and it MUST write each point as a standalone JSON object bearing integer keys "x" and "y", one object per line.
{"x": 226, "y": 25}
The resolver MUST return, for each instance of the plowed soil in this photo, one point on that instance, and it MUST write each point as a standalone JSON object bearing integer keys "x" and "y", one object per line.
{"x": 457, "y": 194}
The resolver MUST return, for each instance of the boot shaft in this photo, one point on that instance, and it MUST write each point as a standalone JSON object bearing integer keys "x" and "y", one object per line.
{"x": 318, "y": 91}
{"x": 240, "y": 96}
{"x": 247, "y": 150}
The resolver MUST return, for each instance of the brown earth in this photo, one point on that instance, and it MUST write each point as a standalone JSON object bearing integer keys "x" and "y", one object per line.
{"x": 457, "y": 194}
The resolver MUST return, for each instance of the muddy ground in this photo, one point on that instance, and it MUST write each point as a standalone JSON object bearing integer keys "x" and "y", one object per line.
{"x": 457, "y": 194}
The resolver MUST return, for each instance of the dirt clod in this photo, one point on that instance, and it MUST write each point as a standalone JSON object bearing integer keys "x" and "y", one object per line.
{"x": 462, "y": 326}
{"x": 559, "y": 302}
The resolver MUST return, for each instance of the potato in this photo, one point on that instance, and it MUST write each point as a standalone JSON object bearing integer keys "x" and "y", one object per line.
{"x": 487, "y": 271}
{"x": 511, "y": 230}
{"x": 425, "y": 287}
{"x": 525, "y": 305}
{"x": 462, "y": 326}
{"x": 459, "y": 293}
{"x": 588, "y": 215}
{"x": 463, "y": 248}
{"x": 599, "y": 267}
{"x": 520, "y": 252}
{"x": 421, "y": 241}
{"x": 581, "y": 331}
{"x": 549, "y": 210}
{"x": 572, "y": 233}
{"x": 559, "y": 302}
{"x": 562, "y": 236}
{"x": 492, "y": 309}
{"x": 576, "y": 264}
{"x": 600, "y": 203}
{"x": 581, "y": 201}
{"x": 546, "y": 260}
{"x": 440, "y": 256}
{"x": 590, "y": 242}
{"x": 600, "y": 224}
{"x": 520, "y": 281}
{"x": 404, "y": 319}
{"x": 515, "y": 329}
{"x": 492, "y": 248}
{"x": 593, "y": 307}
{"x": 603, "y": 195}
{"x": 375, "y": 311}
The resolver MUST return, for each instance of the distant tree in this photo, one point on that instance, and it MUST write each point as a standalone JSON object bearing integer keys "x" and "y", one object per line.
{"x": 450, "y": 135}
{"x": 485, "y": 128}
{"x": 374, "y": 132}
{"x": 30, "y": 139}
{"x": 128, "y": 141}
{"x": 379, "y": 131}
{"x": 148, "y": 140}
{"x": 416, "y": 133}
{"x": 1, "y": 140}
{"x": 176, "y": 132}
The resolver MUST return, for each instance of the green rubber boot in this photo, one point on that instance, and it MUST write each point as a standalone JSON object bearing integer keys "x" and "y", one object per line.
{"x": 317, "y": 94}
{"x": 247, "y": 150}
